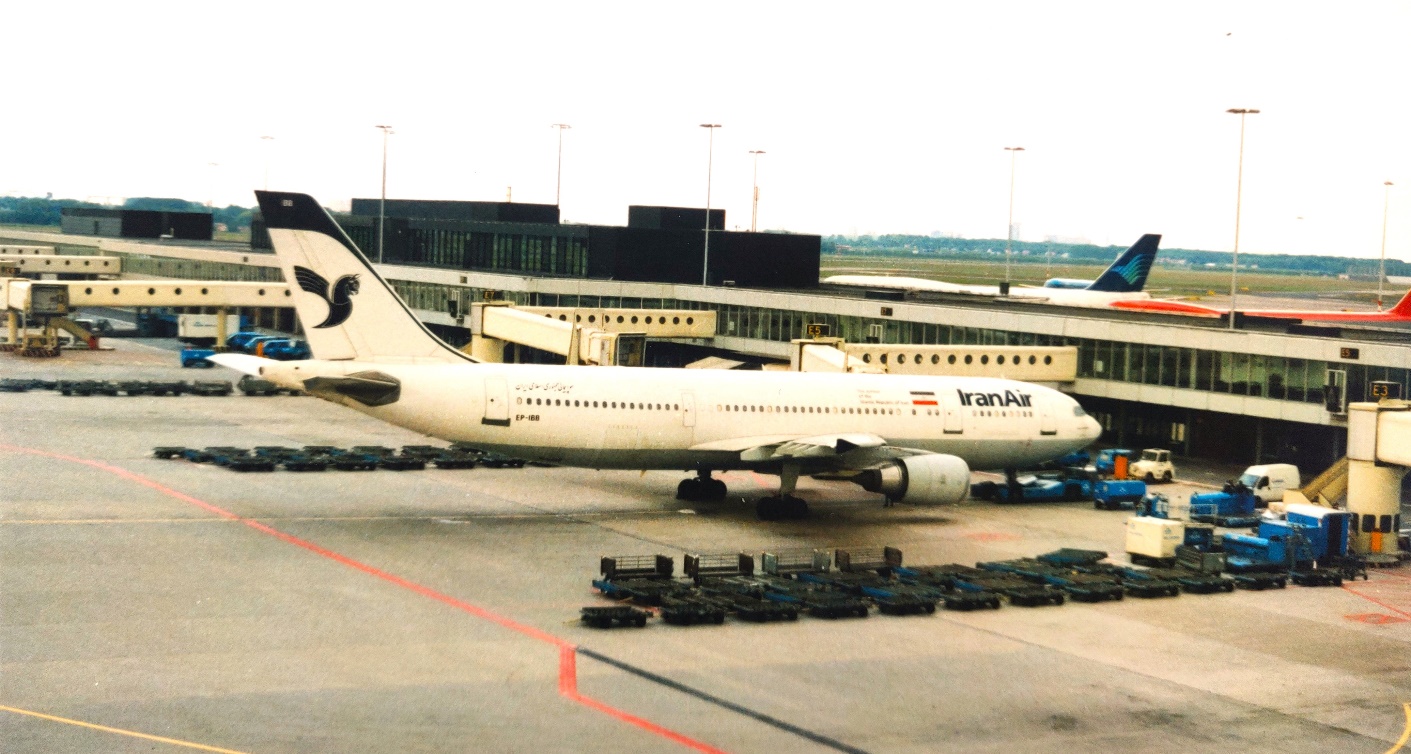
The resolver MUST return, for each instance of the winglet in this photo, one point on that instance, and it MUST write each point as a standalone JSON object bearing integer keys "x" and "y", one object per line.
{"x": 1127, "y": 274}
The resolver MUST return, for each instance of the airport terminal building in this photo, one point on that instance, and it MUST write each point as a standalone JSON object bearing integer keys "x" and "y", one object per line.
{"x": 1263, "y": 391}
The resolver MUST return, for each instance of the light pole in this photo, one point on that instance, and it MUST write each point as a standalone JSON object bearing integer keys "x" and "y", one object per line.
{"x": 710, "y": 162}
{"x": 267, "y": 140}
{"x": 382, "y": 207}
{"x": 1009, "y": 236}
{"x": 754, "y": 210}
{"x": 1239, "y": 195}
{"x": 1382, "y": 265}
{"x": 558, "y": 186}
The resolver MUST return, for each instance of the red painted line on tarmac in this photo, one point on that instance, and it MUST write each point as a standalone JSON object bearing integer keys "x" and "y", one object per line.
{"x": 1376, "y": 602}
{"x": 568, "y": 664}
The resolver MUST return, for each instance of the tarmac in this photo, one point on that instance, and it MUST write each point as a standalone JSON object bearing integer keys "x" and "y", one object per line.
{"x": 150, "y": 605}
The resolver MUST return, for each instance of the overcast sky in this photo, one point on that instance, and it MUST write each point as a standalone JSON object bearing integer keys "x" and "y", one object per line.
{"x": 874, "y": 117}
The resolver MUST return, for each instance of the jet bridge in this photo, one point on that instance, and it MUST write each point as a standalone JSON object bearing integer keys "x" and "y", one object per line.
{"x": 35, "y": 310}
{"x": 64, "y": 267}
{"x": 581, "y": 335}
{"x": 1042, "y": 364}
{"x": 1378, "y": 456}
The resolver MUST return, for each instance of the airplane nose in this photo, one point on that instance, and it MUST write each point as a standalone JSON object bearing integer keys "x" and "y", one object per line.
{"x": 1091, "y": 429}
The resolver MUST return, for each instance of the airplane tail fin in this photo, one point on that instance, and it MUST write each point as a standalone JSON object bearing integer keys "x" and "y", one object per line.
{"x": 1403, "y": 307}
{"x": 1127, "y": 274}
{"x": 348, "y": 311}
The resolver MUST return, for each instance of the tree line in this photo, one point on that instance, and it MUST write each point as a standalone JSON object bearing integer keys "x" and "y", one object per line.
{"x": 986, "y": 249}
{"x": 46, "y": 210}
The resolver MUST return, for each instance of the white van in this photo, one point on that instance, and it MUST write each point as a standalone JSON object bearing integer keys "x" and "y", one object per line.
{"x": 1270, "y": 480}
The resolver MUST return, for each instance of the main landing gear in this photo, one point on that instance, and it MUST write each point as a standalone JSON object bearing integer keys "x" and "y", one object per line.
{"x": 701, "y": 489}
{"x": 784, "y": 505}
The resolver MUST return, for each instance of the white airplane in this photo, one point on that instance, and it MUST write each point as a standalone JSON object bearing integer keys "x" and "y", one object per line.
{"x": 1123, "y": 280}
{"x": 912, "y": 439}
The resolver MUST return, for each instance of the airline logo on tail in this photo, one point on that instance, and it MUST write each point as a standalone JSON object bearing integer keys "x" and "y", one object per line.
{"x": 340, "y": 304}
{"x": 1135, "y": 269}
{"x": 1128, "y": 273}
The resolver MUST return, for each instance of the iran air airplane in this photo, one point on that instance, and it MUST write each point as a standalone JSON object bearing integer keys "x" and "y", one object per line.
{"x": 1123, "y": 280}
{"x": 913, "y": 439}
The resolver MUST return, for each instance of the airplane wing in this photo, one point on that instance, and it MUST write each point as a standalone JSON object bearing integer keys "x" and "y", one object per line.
{"x": 852, "y": 450}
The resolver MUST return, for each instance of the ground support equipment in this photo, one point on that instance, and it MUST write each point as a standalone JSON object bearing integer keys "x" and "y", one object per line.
{"x": 891, "y": 597}
{"x": 1194, "y": 582}
{"x": 745, "y": 598}
{"x": 607, "y": 616}
{"x": 1083, "y": 587}
{"x": 1317, "y": 577}
{"x": 690, "y": 608}
{"x": 1137, "y": 582}
{"x": 211, "y": 387}
{"x": 1257, "y": 582}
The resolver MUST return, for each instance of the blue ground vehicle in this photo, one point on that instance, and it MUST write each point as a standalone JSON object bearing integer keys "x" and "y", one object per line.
{"x": 1113, "y": 494}
{"x": 286, "y": 349}
{"x": 1034, "y": 488}
{"x": 1106, "y": 459}
{"x": 241, "y": 341}
{"x": 196, "y": 357}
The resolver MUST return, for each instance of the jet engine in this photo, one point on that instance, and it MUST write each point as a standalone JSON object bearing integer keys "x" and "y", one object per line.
{"x": 932, "y": 479}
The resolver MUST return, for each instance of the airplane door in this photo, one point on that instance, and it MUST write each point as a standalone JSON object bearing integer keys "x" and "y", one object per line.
{"x": 497, "y": 402}
{"x": 954, "y": 417}
{"x": 688, "y": 410}
{"x": 1048, "y": 425}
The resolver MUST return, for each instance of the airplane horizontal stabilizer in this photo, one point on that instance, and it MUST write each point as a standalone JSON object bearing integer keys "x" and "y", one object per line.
{"x": 241, "y": 362}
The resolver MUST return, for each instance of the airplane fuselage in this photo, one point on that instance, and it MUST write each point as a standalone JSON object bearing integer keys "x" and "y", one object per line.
{"x": 642, "y": 418}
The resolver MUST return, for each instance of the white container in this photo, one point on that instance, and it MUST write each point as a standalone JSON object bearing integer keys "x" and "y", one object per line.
{"x": 1154, "y": 537}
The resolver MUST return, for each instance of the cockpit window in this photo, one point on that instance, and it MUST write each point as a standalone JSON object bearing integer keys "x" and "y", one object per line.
{"x": 1078, "y": 411}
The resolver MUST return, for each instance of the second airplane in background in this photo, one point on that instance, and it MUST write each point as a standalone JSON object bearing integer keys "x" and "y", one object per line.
{"x": 1123, "y": 280}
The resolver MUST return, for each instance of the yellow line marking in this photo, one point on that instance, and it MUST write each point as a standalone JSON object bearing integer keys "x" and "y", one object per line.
{"x": 1406, "y": 734}
{"x": 119, "y": 731}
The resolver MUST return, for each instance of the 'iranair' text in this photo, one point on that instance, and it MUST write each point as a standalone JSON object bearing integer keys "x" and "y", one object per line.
{"x": 1007, "y": 398}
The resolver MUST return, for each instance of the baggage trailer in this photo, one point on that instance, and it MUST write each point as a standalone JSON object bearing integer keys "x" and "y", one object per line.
{"x": 698, "y": 566}
{"x": 1194, "y": 582}
{"x": 644, "y": 579}
{"x": 816, "y": 602}
{"x": 687, "y": 609}
{"x": 891, "y": 597}
{"x": 880, "y": 559}
{"x": 789, "y": 562}
{"x": 745, "y": 598}
{"x": 606, "y": 616}
{"x": 1136, "y": 582}
{"x": 971, "y": 588}
{"x": 1084, "y": 587}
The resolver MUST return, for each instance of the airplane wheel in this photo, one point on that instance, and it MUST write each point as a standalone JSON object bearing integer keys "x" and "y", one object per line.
{"x": 715, "y": 490}
{"x": 767, "y": 509}
{"x": 689, "y": 490}
{"x": 795, "y": 507}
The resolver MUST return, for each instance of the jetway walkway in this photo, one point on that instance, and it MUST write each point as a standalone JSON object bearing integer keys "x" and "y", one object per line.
{"x": 1042, "y": 364}
{"x": 35, "y": 310}
{"x": 72, "y": 267}
{"x": 606, "y": 337}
